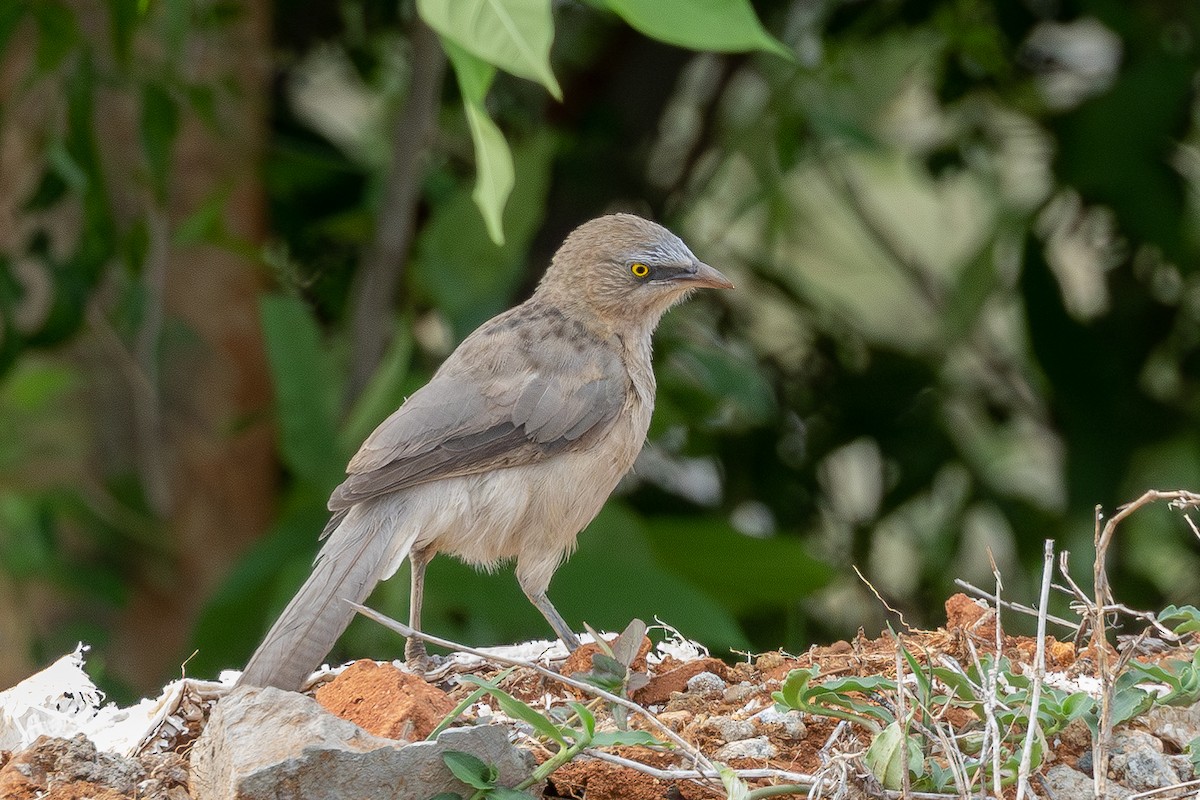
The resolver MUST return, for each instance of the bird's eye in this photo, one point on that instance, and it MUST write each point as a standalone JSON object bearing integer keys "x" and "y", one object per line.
{"x": 639, "y": 269}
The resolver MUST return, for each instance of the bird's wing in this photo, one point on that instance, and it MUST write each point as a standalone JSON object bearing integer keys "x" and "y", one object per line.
{"x": 503, "y": 399}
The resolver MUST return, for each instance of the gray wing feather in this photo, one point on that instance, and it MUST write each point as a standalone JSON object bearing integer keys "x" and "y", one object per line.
{"x": 490, "y": 406}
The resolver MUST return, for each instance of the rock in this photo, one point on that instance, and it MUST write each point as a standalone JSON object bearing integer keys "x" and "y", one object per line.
{"x": 739, "y": 692}
{"x": 675, "y": 720}
{"x": 1172, "y": 724}
{"x": 1137, "y": 761}
{"x": 706, "y": 683}
{"x": 1062, "y": 781}
{"x": 730, "y": 730}
{"x": 675, "y": 679}
{"x": 166, "y": 777}
{"x": 385, "y": 701}
{"x": 268, "y": 743}
{"x": 759, "y": 747}
{"x": 1183, "y": 767}
{"x": 781, "y": 724}
{"x": 65, "y": 767}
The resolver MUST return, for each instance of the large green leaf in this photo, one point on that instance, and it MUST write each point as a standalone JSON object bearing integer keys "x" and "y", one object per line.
{"x": 494, "y": 175}
{"x": 727, "y": 26}
{"x": 474, "y": 75}
{"x": 305, "y": 390}
{"x": 783, "y": 571}
{"x": 466, "y": 274}
{"x": 515, "y": 35}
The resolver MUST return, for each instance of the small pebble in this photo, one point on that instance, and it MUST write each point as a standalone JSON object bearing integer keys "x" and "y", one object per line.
{"x": 768, "y": 661}
{"x": 730, "y": 730}
{"x": 675, "y": 720}
{"x": 705, "y": 683}
{"x": 785, "y": 725}
{"x": 739, "y": 692}
{"x": 759, "y": 747}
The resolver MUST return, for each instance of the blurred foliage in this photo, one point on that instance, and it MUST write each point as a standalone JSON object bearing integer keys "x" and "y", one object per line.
{"x": 964, "y": 235}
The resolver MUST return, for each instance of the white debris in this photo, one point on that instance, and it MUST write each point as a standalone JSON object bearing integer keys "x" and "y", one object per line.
{"x": 676, "y": 645}
{"x": 62, "y": 701}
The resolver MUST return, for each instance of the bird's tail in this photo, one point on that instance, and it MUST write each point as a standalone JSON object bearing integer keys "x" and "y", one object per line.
{"x": 364, "y": 548}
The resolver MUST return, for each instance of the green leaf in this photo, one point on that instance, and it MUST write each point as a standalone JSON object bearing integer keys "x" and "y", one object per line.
{"x": 786, "y": 571}
{"x": 447, "y": 796}
{"x": 123, "y": 16}
{"x": 891, "y": 753}
{"x": 586, "y": 718}
{"x": 726, "y": 26}
{"x": 519, "y": 710}
{"x": 735, "y": 787}
{"x": 305, "y": 390}
{"x": 57, "y": 34}
{"x": 515, "y": 35}
{"x": 493, "y": 161}
{"x": 1192, "y": 750}
{"x": 459, "y": 265}
{"x": 505, "y": 793}
{"x": 617, "y": 738}
{"x": 260, "y": 584}
{"x": 1181, "y": 619}
{"x": 205, "y": 225}
{"x": 159, "y": 125}
{"x": 494, "y": 176}
{"x": 469, "y": 769}
{"x": 474, "y": 75}
{"x": 1130, "y": 703}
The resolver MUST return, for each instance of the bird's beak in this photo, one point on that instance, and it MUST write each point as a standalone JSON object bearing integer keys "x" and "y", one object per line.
{"x": 705, "y": 276}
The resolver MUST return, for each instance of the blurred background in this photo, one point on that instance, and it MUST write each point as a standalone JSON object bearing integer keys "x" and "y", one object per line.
{"x": 234, "y": 234}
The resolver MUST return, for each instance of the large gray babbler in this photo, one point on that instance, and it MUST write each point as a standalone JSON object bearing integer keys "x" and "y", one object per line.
{"x": 509, "y": 451}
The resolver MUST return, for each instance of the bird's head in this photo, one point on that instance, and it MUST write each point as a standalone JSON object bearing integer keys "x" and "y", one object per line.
{"x": 625, "y": 270}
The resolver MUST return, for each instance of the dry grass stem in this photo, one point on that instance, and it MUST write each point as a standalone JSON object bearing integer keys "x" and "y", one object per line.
{"x": 1011, "y": 606}
{"x": 1039, "y": 672}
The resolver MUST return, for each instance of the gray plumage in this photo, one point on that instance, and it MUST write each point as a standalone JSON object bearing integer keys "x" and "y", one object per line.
{"x": 510, "y": 449}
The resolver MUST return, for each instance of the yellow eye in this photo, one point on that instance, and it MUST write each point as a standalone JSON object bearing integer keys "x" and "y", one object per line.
{"x": 639, "y": 269}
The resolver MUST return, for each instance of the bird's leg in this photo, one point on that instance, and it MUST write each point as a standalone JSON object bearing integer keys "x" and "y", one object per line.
{"x": 414, "y": 649}
{"x": 542, "y": 603}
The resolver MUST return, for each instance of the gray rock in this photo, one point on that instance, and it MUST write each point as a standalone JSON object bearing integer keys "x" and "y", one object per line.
{"x": 1183, "y": 767}
{"x": 706, "y": 683}
{"x": 730, "y": 730}
{"x": 785, "y": 725}
{"x": 759, "y": 747}
{"x": 267, "y": 743}
{"x": 1178, "y": 726}
{"x": 1063, "y": 782}
{"x": 1137, "y": 762}
{"x": 50, "y": 761}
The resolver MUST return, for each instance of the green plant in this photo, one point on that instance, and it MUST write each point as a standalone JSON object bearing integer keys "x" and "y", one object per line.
{"x": 1182, "y": 679}
{"x": 568, "y": 738}
{"x": 1181, "y": 619}
{"x": 612, "y": 666}
{"x": 830, "y": 698}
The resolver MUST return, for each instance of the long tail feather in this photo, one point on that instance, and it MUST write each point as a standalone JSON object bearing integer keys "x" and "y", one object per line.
{"x": 356, "y": 556}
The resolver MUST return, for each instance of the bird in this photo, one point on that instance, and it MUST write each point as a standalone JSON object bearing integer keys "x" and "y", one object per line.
{"x": 510, "y": 449}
